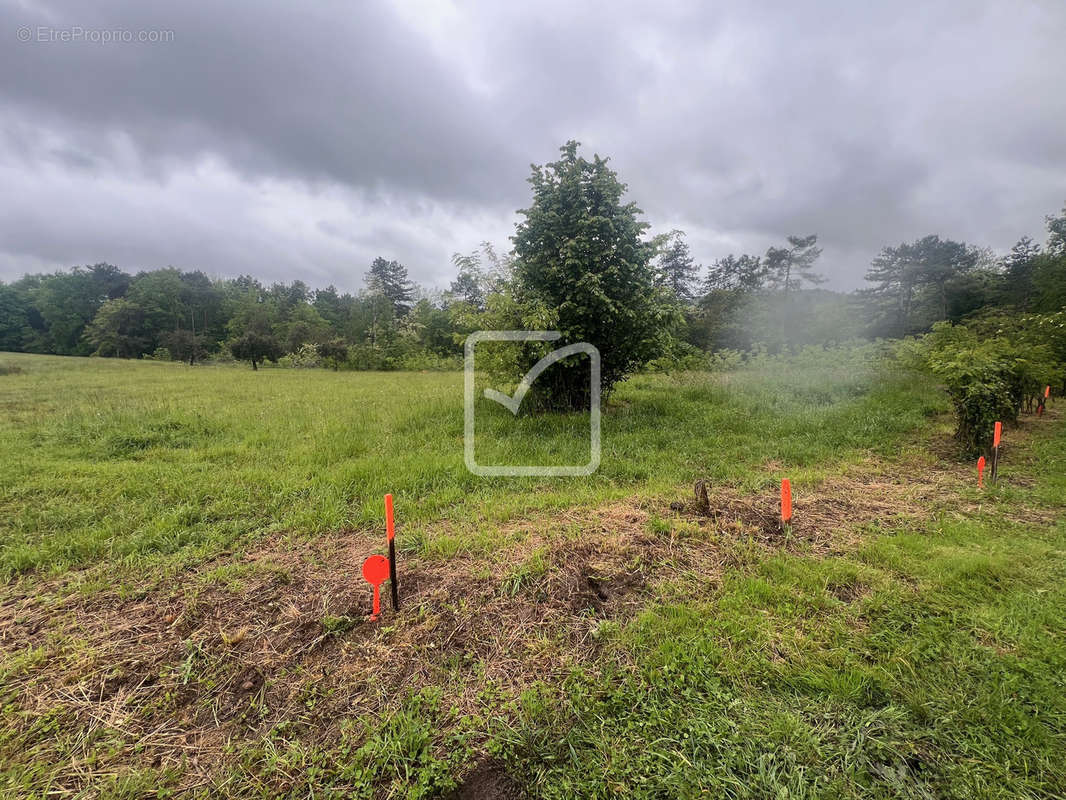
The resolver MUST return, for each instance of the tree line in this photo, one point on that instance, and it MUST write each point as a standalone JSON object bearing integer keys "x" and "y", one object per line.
{"x": 581, "y": 263}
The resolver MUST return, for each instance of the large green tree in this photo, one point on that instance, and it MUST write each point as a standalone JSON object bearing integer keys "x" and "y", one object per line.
{"x": 15, "y": 331}
{"x": 914, "y": 284}
{"x": 68, "y": 301}
{"x": 732, "y": 273}
{"x": 389, "y": 278}
{"x": 583, "y": 268}
{"x": 256, "y": 348}
{"x": 116, "y": 329}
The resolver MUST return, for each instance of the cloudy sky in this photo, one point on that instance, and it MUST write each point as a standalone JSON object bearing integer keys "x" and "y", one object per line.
{"x": 301, "y": 140}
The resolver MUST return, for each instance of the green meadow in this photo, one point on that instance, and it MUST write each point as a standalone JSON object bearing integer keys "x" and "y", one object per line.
{"x": 915, "y": 657}
{"x": 112, "y": 460}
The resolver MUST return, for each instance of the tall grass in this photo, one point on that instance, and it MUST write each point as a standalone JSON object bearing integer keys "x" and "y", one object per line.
{"x": 108, "y": 460}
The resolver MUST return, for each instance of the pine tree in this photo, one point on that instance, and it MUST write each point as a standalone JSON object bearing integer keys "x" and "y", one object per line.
{"x": 390, "y": 279}
{"x": 1019, "y": 267}
{"x": 677, "y": 270}
{"x": 788, "y": 267}
{"x": 744, "y": 273}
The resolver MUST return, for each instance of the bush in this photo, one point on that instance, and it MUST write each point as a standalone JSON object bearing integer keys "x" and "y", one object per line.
{"x": 306, "y": 357}
{"x": 423, "y": 360}
{"x": 989, "y": 378}
{"x": 365, "y": 357}
{"x": 333, "y": 353}
{"x": 683, "y": 357}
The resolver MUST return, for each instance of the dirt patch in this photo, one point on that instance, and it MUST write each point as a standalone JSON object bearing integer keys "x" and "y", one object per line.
{"x": 281, "y": 635}
{"x": 488, "y": 781}
{"x": 848, "y": 592}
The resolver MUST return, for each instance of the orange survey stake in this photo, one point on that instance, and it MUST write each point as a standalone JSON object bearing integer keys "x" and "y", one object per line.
{"x": 786, "y": 501}
{"x": 390, "y": 528}
{"x": 980, "y": 472}
{"x": 997, "y": 434}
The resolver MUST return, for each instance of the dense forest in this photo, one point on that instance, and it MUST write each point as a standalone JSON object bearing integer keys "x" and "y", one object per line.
{"x": 746, "y": 302}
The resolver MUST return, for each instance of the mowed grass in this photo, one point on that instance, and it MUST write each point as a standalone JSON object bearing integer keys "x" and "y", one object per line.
{"x": 108, "y": 461}
{"x": 926, "y": 664}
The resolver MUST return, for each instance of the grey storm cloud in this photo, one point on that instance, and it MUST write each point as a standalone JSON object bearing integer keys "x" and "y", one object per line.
{"x": 302, "y": 140}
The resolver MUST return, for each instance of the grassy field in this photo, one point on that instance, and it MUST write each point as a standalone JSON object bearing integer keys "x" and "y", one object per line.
{"x": 182, "y": 611}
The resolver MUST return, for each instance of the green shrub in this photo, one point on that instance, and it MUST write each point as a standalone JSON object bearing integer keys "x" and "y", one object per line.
{"x": 990, "y": 376}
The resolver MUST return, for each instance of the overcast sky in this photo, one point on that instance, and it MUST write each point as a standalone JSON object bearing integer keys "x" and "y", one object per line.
{"x": 300, "y": 140}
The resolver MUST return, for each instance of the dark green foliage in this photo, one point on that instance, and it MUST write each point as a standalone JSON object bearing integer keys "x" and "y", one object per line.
{"x": 914, "y": 281}
{"x": 466, "y": 288}
{"x": 68, "y": 301}
{"x": 1018, "y": 270}
{"x": 256, "y": 348}
{"x": 990, "y": 377}
{"x": 115, "y": 330}
{"x": 334, "y": 352}
{"x": 15, "y": 331}
{"x": 1049, "y": 282}
{"x": 390, "y": 279}
{"x": 184, "y": 345}
{"x": 745, "y": 274}
{"x": 583, "y": 268}
{"x": 677, "y": 271}
{"x": 788, "y": 268}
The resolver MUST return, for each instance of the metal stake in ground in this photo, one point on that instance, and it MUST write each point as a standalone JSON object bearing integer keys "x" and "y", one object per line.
{"x": 997, "y": 434}
{"x": 390, "y": 531}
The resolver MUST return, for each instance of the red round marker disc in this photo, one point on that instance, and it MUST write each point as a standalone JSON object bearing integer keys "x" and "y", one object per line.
{"x": 376, "y": 570}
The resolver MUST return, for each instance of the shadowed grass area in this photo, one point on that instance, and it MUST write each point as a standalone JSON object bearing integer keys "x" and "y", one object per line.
{"x": 106, "y": 460}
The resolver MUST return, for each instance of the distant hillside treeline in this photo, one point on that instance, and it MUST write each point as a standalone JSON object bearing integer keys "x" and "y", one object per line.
{"x": 740, "y": 302}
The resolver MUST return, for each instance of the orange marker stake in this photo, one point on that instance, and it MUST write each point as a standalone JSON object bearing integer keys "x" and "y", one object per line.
{"x": 997, "y": 435}
{"x": 786, "y": 502}
{"x": 390, "y": 532}
{"x": 980, "y": 472}
{"x": 1043, "y": 401}
{"x": 376, "y": 570}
